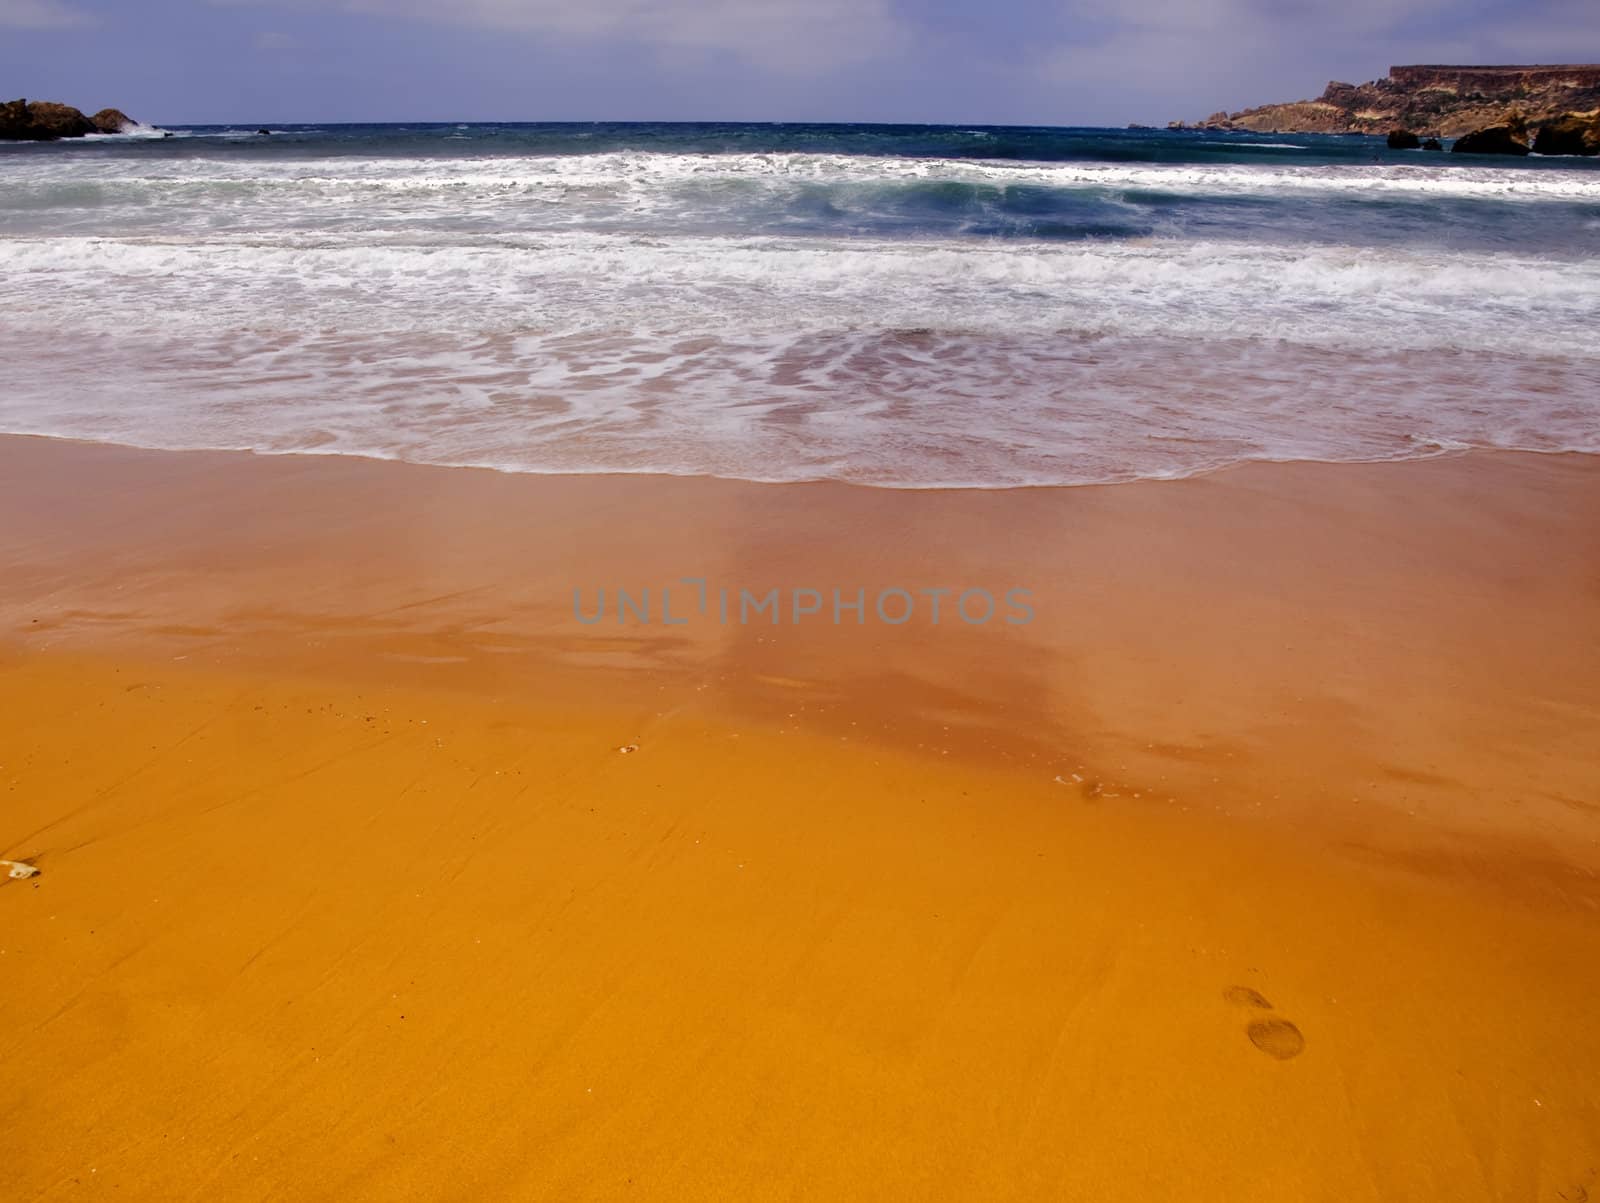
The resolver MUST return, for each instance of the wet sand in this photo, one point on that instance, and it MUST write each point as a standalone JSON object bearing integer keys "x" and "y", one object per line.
{"x": 1262, "y": 863}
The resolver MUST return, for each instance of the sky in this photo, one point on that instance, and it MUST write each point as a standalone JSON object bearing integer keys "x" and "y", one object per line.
{"x": 1045, "y": 62}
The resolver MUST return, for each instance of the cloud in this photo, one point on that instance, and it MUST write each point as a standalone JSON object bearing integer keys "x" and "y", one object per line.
{"x": 270, "y": 40}
{"x": 40, "y": 14}
{"x": 1563, "y": 31}
{"x": 1227, "y": 54}
{"x": 795, "y": 36}
{"x": 1280, "y": 17}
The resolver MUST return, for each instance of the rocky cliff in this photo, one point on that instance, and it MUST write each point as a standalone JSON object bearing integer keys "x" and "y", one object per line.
{"x": 1433, "y": 101}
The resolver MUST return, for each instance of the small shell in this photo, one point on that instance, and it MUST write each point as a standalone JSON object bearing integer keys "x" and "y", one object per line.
{"x": 19, "y": 870}
{"x": 626, "y": 748}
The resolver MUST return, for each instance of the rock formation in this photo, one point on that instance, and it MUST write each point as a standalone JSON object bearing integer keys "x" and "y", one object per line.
{"x": 1569, "y": 135}
{"x": 1492, "y": 140}
{"x": 1431, "y": 101}
{"x": 14, "y": 119}
{"x": 1404, "y": 139}
{"x": 44, "y": 121}
{"x": 112, "y": 121}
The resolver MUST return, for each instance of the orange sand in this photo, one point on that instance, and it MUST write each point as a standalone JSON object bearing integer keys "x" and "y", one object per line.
{"x": 347, "y": 892}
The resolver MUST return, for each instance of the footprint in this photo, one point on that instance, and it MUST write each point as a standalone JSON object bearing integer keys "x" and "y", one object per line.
{"x": 1243, "y": 996}
{"x": 1277, "y": 1038}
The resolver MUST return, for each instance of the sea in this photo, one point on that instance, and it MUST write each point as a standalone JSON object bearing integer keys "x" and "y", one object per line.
{"x": 896, "y": 306}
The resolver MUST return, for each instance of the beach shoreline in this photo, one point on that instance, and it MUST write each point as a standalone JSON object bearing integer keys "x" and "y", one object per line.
{"x": 368, "y": 871}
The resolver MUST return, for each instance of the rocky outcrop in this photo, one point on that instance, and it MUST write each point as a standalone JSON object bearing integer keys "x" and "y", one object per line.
{"x": 45, "y": 120}
{"x": 113, "y": 121}
{"x": 1491, "y": 140}
{"x": 53, "y": 120}
{"x": 14, "y": 119}
{"x": 1430, "y": 101}
{"x": 1571, "y": 134}
{"x": 1404, "y": 139}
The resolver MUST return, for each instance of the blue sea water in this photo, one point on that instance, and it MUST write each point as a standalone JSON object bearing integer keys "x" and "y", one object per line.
{"x": 895, "y": 305}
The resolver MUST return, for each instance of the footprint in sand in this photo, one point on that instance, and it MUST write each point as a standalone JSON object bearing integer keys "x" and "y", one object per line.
{"x": 1276, "y": 1037}
{"x": 1243, "y": 996}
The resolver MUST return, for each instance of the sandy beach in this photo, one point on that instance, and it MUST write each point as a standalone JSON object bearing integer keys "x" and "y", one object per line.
{"x": 1261, "y": 864}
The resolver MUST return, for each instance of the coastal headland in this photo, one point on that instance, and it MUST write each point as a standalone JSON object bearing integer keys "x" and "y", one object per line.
{"x": 1437, "y": 101}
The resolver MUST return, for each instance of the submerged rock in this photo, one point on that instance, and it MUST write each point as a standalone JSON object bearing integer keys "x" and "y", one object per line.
{"x": 1491, "y": 140}
{"x": 1432, "y": 144}
{"x": 1569, "y": 134}
{"x": 1403, "y": 139}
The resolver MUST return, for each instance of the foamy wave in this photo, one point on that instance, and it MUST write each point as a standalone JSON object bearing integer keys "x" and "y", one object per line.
{"x": 652, "y": 179}
{"x": 895, "y": 321}
{"x": 580, "y": 281}
{"x": 908, "y": 409}
{"x": 133, "y": 131}
{"x": 1238, "y": 145}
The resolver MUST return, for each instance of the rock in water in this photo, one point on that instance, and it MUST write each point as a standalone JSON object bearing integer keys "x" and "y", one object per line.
{"x": 113, "y": 121}
{"x": 1569, "y": 134}
{"x": 1403, "y": 139}
{"x": 59, "y": 120}
{"x": 1432, "y": 144}
{"x": 14, "y": 121}
{"x": 42, "y": 121}
{"x": 1491, "y": 140}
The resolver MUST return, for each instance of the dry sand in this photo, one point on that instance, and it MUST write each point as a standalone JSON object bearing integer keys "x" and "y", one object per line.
{"x": 1261, "y": 865}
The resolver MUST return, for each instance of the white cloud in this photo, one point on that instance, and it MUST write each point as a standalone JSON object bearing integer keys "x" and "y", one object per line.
{"x": 1564, "y": 31}
{"x": 1307, "y": 18}
{"x": 797, "y": 36}
{"x": 40, "y": 14}
{"x": 1197, "y": 56}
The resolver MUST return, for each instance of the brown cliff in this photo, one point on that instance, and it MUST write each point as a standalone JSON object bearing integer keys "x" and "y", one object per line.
{"x": 1431, "y": 100}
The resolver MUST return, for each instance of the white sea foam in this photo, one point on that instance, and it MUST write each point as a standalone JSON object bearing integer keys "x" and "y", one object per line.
{"x": 579, "y": 281}
{"x": 904, "y": 409}
{"x": 641, "y": 172}
{"x": 132, "y": 131}
{"x": 1236, "y": 145}
{"x": 592, "y": 313}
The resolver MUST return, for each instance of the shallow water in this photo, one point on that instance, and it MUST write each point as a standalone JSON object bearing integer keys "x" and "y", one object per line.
{"x": 908, "y": 306}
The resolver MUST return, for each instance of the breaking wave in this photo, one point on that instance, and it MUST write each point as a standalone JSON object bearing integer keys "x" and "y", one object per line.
{"x": 769, "y": 312}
